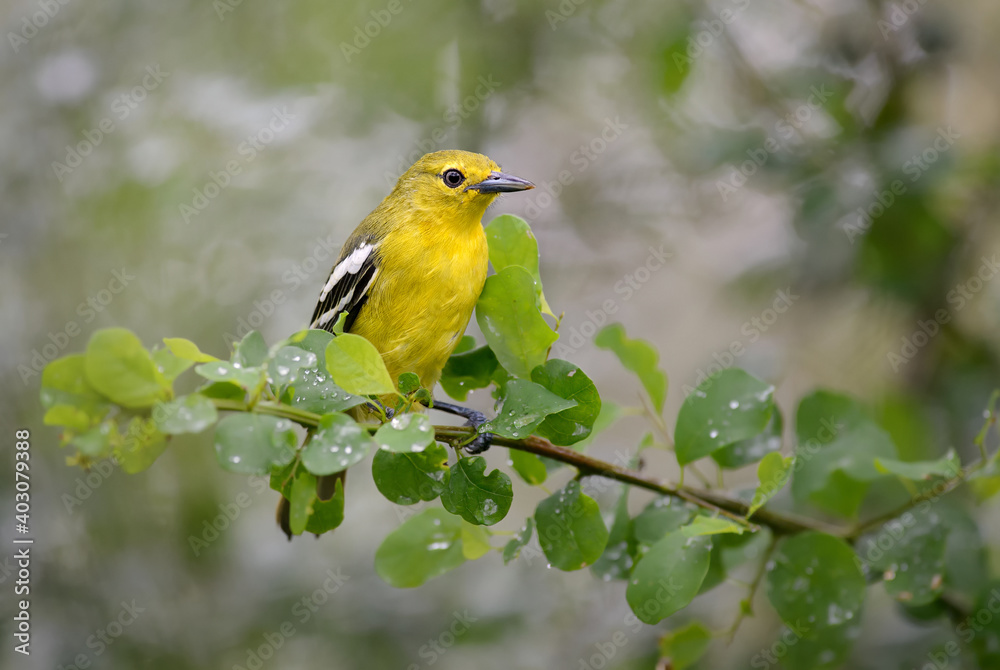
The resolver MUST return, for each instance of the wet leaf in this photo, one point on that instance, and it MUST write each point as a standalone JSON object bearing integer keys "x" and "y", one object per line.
{"x": 514, "y": 328}
{"x": 668, "y": 577}
{"x": 570, "y": 528}
{"x": 427, "y": 545}
{"x": 725, "y": 408}
{"x": 337, "y": 443}
{"x": 478, "y": 498}
{"x": 409, "y": 477}
{"x": 252, "y": 444}
{"x": 566, "y": 380}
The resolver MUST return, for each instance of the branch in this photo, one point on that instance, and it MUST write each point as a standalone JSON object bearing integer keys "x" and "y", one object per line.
{"x": 730, "y": 507}
{"x": 781, "y": 523}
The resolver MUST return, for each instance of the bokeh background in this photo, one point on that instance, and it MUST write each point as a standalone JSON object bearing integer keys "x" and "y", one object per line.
{"x": 187, "y": 169}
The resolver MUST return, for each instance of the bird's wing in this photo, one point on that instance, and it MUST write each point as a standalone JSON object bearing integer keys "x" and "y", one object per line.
{"x": 347, "y": 287}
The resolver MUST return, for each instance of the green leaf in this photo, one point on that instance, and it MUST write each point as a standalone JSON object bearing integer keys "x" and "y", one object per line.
{"x": 64, "y": 384}
{"x": 140, "y": 446}
{"x": 327, "y": 514}
{"x": 96, "y": 442}
{"x": 509, "y": 318}
{"x": 405, "y": 432}
{"x": 303, "y": 495}
{"x": 525, "y": 406}
{"x": 224, "y": 371}
{"x": 639, "y": 357}
{"x": 711, "y": 525}
{"x": 338, "y": 443}
{"x": 817, "y": 589}
{"x": 663, "y": 515}
{"x": 407, "y": 478}
{"x": 985, "y": 482}
{"x": 475, "y": 541}
{"x": 528, "y": 466}
{"x": 568, "y": 381}
{"x": 477, "y": 498}
{"x": 71, "y": 417}
{"x": 187, "y": 350}
{"x": 752, "y": 450}
{"x": 170, "y": 366}
{"x": 408, "y": 383}
{"x": 520, "y": 540}
{"x": 772, "y": 473}
{"x": 468, "y": 371}
{"x": 120, "y": 368}
{"x": 913, "y": 564}
{"x": 428, "y": 544}
{"x": 466, "y": 343}
{"x": 187, "y": 414}
{"x": 838, "y": 443}
{"x": 668, "y": 577}
{"x": 223, "y": 391}
{"x": 357, "y": 367}
{"x": 683, "y": 647}
{"x": 287, "y": 363}
{"x": 728, "y": 407}
{"x": 252, "y": 444}
{"x": 616, "y": 561}
{"x": 511, "y": 242}
{"x": 947, "y": 466}
{"x": 314, "y": 390}
{"x": 251, "y": 351}
{"x": 570, "y": 528}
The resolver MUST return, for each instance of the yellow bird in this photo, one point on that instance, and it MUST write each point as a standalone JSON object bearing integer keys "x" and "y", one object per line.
{"x": 410, "y": 274}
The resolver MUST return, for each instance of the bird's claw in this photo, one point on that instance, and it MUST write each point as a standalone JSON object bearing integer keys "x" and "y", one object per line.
{"x": 482, "y": 441}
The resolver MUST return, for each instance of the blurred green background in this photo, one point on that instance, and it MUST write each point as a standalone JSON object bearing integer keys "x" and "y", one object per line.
{"x": 189, "y": 168}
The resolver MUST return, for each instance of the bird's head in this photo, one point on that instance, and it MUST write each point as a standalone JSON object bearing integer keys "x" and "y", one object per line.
{"x": 460, "y": 183}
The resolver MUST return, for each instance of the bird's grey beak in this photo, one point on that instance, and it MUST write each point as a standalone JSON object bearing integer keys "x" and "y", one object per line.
{"x": 501, "y": 182}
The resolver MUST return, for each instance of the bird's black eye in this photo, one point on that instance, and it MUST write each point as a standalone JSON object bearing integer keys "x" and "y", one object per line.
{"x": 453, "y": 178}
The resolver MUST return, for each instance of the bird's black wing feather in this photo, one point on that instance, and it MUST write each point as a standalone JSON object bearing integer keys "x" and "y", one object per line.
{"x": 346, "y": 289}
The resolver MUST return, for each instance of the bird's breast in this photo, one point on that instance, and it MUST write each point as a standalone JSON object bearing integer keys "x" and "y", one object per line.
{"x": 429, "y": 282}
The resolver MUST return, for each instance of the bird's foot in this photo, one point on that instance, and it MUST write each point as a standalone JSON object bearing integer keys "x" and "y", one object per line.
{"x": 474, "y": 418}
